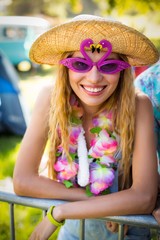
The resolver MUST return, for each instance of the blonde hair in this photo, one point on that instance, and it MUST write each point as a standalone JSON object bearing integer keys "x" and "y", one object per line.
{"x": 122, "y": 102}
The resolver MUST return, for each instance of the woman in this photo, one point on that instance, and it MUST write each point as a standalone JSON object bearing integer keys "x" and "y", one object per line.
{"x": 97, "y": 127}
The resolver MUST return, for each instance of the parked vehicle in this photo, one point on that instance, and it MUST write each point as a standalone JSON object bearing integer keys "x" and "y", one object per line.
{"x": 17, "y": 33}
{"x": 14, "y": 114}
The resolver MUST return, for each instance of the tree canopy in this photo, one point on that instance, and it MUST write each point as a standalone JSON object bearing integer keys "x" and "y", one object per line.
{"x": 65, "y": 8}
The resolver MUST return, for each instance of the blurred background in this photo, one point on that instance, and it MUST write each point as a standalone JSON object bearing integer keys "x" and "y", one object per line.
{"x": 21, "y": 22}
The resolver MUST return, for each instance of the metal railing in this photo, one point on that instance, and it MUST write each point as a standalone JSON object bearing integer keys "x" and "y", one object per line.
{"x": 44, "y": 204}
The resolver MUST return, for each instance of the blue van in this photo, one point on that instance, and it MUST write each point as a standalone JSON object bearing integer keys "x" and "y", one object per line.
{"x": 17, "y": 33}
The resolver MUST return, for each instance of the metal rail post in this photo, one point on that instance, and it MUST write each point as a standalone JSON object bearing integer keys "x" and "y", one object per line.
{"x": 121, "y": 232}
{"x": 12, "y": 225}
{"x": 82, "y": 229}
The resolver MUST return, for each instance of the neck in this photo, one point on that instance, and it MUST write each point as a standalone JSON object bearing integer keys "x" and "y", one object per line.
{"x": 90, "y": 111}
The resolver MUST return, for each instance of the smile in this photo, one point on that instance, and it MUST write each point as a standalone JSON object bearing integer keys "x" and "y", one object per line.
{"x": 93, "y": 90}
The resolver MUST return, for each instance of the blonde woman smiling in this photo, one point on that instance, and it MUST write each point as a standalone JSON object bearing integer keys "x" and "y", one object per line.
{"x": 98, "y": 128}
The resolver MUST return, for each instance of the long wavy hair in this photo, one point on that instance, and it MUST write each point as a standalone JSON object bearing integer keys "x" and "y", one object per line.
{"x": 122, "y": 103}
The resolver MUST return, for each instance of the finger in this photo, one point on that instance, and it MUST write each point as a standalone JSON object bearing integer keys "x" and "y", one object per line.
{"x": 156, "y": 214}
{"x": 112, "y": 226}
{"x": 108, "y": 224}
{"x": 125, "y": 229}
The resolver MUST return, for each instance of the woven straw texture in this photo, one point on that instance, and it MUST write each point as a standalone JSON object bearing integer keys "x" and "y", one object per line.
{"x": 50, "y": 46}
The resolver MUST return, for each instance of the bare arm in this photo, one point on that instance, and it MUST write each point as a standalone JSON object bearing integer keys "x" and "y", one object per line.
{"x": 26, "y": 179}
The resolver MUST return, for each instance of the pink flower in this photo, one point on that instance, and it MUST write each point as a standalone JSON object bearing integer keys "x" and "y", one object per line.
{"x": 98, "y": 187}
{"x": 64, "y": 169}
{"x": 101, "y": 177}
{"x": 101, "y": 173}
{"x": 103, "y": 145}
{"x": 104, "y": 120}
{"x": 75, "y": 131}
{"x": 106, "y": 160}
{"x": 72, "y": 148}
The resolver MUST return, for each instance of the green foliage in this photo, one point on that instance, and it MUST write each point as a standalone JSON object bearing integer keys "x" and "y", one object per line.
{"x": 22, "y": 7}
{"x": 156, "y": 43}
{"x": 9, "y": 146}
{"x": 66, "y": 8}
{"x": 56, "y": 8}
{"x": 26, "y": 218}
{"x": 4, "y": 222}
{"x": 76, "y": 6}
{"x": 131, "y": 7}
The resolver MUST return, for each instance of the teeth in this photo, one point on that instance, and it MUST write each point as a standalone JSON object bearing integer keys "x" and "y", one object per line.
{"x": 93, "y": 89}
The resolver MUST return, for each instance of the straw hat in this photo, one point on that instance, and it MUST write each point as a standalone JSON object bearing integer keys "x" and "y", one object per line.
{"x": 50, "y": 46}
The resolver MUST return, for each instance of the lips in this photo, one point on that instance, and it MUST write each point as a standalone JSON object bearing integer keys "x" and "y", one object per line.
{"x": 93, "y": 89}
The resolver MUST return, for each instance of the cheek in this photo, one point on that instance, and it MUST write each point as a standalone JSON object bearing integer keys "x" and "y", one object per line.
{"x": 113, "y": 79}
{"x": 74, "y": 77}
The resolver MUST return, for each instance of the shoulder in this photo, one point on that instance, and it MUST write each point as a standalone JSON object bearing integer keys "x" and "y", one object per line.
{"x": 144, "y": 109}
{"x": 44, "y": 95}
{"x": 142, "y": 100}
{"x": 42, "y": 103}
{"x": 45, "y": 92}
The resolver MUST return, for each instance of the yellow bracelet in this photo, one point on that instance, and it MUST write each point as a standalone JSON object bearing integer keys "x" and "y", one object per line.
{"x": 51, "y": 218}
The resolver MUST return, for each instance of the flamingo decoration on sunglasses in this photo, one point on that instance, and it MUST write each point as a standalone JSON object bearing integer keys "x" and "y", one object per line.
{"x": 88, "y": 43}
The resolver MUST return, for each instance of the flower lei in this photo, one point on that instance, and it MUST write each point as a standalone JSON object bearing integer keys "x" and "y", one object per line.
{"x": 93, "y": 169}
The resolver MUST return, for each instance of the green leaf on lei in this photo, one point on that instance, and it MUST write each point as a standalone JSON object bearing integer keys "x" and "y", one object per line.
{"x": 58, "y": 154}
{"x": 73, "y": 155}
{"x": 107, "y": 191}
{"x": 88, "y": 191}
{"x": 111, "y": 134}
{"x": 76, "y": 120}
{"x": 96, "y": 130}
{"x": 68, "y": 184}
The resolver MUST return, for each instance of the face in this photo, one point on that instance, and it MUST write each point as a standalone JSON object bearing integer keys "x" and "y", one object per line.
{"x": 93, "y": 87}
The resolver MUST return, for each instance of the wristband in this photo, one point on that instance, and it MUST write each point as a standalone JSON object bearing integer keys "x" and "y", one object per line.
{"x": 51, "y": 218}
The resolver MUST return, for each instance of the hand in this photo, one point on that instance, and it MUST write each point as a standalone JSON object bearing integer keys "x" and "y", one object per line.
{"x": 156, "y": 214}
{"x": 43, "y": 230}
{"x": 113, "y": 227}
{"x": 156, "y": 211}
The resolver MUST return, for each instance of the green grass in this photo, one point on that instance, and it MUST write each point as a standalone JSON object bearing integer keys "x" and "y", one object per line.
{"x": 25, "y": 218}
{"x": 9, "y": 146}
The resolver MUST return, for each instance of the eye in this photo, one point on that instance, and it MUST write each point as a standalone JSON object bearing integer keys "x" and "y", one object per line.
{"x": 79, "y": 65}
{"x": 109, "y": 67}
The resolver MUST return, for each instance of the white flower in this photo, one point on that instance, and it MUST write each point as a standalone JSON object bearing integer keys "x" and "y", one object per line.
{"x": 83, "y": 172}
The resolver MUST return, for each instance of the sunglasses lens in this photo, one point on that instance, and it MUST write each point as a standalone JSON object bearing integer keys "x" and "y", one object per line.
{"x": 109, "y": 67}
{"x": 80, "y": 66}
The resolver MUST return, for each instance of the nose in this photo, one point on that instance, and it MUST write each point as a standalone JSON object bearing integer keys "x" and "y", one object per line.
{"x": 94, "y": 76}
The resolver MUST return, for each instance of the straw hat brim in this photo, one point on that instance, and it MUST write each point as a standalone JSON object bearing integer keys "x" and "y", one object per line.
{"x": 50, "y": 46}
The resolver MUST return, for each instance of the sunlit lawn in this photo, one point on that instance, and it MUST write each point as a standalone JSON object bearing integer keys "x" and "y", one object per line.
{"x": 25, "y": 218}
